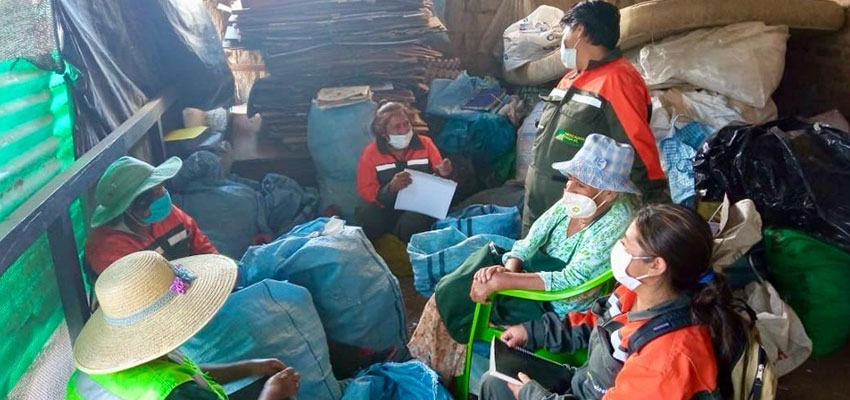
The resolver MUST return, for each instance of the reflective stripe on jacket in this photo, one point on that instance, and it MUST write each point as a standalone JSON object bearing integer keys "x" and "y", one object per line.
{"x": 377, "y": 167}
{"x": 679, "y": 365}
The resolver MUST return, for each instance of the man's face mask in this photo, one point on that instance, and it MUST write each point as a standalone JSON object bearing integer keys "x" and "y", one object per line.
{"x": 569, "y": 54}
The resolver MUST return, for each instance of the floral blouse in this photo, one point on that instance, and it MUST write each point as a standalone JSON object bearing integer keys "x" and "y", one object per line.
{"x": 587, "y": 252}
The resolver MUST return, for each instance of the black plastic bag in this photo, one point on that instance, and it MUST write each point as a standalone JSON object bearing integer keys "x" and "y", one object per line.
{"x": 129, "y": 51}
{"x": 797, "y": 174}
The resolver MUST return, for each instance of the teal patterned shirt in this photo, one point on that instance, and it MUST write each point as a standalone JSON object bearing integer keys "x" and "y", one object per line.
{"x": 587, "y": 253}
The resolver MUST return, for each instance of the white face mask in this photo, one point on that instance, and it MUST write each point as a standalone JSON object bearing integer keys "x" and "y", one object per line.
{"x": 580, "y": 206}
{"x": 400, "y": 142}
{"x": 568, "y": 55}
{"x": 620, "y": 260}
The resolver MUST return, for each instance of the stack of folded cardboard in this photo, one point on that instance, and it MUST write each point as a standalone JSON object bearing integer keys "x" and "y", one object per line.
{"x": 312, "y": 45}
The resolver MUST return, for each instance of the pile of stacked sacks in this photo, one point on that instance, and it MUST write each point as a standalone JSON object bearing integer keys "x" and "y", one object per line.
{"x": 704, "y": 80}
{"x": 344, "y": 310}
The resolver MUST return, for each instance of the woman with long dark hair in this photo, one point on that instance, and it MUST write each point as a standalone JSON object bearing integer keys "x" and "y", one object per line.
{"x": 662, "y": 265}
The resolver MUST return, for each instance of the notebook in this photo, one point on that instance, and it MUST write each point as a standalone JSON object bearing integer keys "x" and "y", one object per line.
{"x": 486, "y": 99}
{"x": 506, "y": 363}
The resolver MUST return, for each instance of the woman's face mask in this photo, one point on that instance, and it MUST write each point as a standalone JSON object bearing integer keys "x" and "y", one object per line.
{"x": 620, "y": 261}
{"x": 399, "y": 132}
{"x": 579, "y": 205}
{"x": 400, "y": 142}
{"x": 159, "y": 209}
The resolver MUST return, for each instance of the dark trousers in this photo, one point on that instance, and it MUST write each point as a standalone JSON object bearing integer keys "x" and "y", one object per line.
{"x": 377, "y": 221}
{"x": 493, "y": 388}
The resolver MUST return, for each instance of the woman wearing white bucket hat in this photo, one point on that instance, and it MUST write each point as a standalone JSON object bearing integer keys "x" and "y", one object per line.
{"x": 148, "y": 308}
{"x": 567, "y": 246}
{"x": 579, "y": 230}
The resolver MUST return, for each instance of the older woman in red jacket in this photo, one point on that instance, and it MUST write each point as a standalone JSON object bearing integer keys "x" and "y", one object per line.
{"x": 381, "y": 173}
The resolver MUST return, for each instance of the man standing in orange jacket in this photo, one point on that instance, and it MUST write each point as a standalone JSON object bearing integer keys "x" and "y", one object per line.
{"x": 601, "y": 93}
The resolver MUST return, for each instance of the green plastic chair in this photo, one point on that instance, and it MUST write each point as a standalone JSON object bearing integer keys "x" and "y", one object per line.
{"x": 483, "y": 331}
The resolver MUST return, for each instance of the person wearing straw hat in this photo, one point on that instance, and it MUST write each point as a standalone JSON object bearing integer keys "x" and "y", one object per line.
{"x": 148, "y": 308}
{"x": 567, "y": 246}
{"x": 134, "y": 212}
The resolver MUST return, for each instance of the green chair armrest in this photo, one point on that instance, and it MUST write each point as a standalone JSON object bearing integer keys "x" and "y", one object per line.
{"x": 481, "y": 329}
{"x": 542, "y": 295}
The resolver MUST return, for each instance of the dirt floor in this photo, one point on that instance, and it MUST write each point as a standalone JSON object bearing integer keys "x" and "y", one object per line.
{"x": 825, "y": 379}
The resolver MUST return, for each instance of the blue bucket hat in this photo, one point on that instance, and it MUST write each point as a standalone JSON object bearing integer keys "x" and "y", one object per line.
{"x": 602, "y": 163}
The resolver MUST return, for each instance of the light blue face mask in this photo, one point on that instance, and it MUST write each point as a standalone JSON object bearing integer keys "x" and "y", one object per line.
{"x": 569, "y": 54}
{"x": 159, "y": 208}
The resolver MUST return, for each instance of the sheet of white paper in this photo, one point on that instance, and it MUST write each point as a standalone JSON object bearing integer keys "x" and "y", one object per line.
{"x": 428, "y": 194}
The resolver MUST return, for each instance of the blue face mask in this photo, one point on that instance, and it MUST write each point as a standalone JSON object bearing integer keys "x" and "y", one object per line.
{"x": 159, "y": 208}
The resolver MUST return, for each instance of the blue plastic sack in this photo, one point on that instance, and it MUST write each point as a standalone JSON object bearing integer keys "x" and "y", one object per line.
{"x": 412, "y": 380}
{"x": 447, "y": 96}
{"x": 270, "y": 319}
{"x": 230, "y": 213}
{"x": 336, "y": 138}
{"x": 435, "y": 254}
{"x": 480, "y": 219}
{"x": 287, "y": 204}
{"x": 677, "y": 156}
{"x": 486, "y": 138}
{"x": 339, "y": 193}
{"x": 355, "y": 294}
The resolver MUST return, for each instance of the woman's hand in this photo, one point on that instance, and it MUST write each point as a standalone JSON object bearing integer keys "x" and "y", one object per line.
{"x": 516, "y": 388}
{"x": 265, "y": 367}
{"x": 515, "y": 336}
{"x": 226, "y": 373}
{"x": 483, "y": 275}
{"x": 514, "y": 264}
{"x": 444, "y": 168}
{"x": 400, "y": 181}
{"x": 281, "y": 385}
{"x": 480, "y": 291}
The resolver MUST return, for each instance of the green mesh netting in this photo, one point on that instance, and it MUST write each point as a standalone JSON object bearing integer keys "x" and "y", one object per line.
{"x": 36, "y": 143}
{"x": 28, "y": 31}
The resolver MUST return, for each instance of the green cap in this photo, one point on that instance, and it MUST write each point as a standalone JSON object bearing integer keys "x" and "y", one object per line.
{"x": 124, "y": 180}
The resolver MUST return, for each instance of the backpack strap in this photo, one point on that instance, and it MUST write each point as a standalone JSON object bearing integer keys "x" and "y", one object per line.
{"x": 658, "y": 326}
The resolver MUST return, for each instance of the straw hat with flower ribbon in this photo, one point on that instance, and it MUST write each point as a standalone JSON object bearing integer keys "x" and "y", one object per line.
{"x": 149, "y": 307}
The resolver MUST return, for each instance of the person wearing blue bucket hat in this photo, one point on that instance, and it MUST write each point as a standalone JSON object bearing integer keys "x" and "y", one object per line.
{"x": 134, "y": 212}
{"x": 569, "y": 245}
{"x": 578, "y": 232}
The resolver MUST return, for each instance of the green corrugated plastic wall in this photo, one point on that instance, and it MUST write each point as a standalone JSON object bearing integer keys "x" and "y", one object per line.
{"x": 36, "y": 143}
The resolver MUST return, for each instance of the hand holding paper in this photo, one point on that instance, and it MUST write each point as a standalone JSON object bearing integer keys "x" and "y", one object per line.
{"x": 426, "y": 194}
